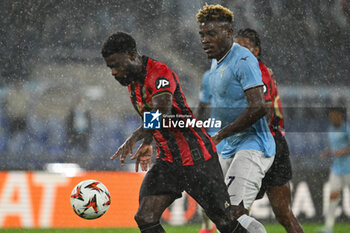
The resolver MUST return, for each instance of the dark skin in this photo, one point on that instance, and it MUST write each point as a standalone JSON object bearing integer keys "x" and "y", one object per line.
{"x": 279, "y": 196}
{"x": 203, "y": 111}
{"x": 217, "y": 40}
{"x": 246, "y": 42}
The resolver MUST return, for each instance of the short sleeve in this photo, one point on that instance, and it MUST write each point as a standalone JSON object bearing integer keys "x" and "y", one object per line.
{"x": 205, "y": 95}
{"x": 248, "y": 72}
{"x": 161, "y": 80}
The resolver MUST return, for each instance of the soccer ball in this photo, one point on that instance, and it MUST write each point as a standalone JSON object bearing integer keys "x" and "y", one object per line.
{"x": 90, "y": 199}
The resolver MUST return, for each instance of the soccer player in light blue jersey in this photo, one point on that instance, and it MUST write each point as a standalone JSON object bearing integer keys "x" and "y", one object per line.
{"x": 237, "y": 90}
{"x": 339, "y": 148}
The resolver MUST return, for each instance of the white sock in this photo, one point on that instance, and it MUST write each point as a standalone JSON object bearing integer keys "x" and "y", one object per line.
{"x": 251, "y": 224}
{"x": 330, "y": 215}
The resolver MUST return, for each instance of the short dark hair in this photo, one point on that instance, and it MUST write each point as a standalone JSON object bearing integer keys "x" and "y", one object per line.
{"x": 339, "y": 106}
{"x": 119, "y": 42}
{"x": 252, "y": 35}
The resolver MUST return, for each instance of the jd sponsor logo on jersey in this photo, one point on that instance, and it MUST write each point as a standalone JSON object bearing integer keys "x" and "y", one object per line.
{"x": 151, "y": 120}
{"x": 162, "y": 82}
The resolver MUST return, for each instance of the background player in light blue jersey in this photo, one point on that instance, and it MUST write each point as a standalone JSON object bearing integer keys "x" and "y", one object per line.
{"x": 339, "y": 148}
{"x": 237, "y": 90}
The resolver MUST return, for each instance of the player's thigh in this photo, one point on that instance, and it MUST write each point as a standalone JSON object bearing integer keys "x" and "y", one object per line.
{"x": 159, "y": 189}
{"x": 280, "y": 198}
{"x": 205, "y": 183}
{"x": 245, "y": 174}
{"x": 280, "y": 172}
{"x": 346, "y": 180}
{"x": 225, "y": 164}
{"x": 161, "y": 179}
{"x": 152, "y": 207}
{"x": 281, "y": 167}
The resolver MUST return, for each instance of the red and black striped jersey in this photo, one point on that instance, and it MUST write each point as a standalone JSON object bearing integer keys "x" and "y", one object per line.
{"x": 271, "y": 96}
{"x": 185, "y": 145}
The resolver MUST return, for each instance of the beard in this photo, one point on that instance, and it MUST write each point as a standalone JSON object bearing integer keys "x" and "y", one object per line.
{"x": 123, "y": 81}
{"x": 130, "y": 76}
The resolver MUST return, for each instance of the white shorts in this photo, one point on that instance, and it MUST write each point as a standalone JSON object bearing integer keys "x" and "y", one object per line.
{"x": 243, "y": 175}
{"x": 337, "y": 182}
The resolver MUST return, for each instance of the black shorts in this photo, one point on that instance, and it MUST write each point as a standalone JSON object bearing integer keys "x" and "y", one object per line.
{"x": 280, "y": 171}
{"x": 203, "y": 181}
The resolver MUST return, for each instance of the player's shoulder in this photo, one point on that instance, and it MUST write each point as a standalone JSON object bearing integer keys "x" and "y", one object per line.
{"x": 242, "y": 59}
{"x": 265, "y": 72}
{"x": 157, "y": 69}
{"x": 264, "y": 67}
{"x": 157, "y": 66}
{"x": 242, "y": 54}
{"x": 206, "y": 75}
{"x": 205, "y": 79}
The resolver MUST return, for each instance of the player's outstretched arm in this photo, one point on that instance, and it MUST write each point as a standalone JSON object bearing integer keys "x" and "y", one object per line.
{"x": 341, "y": 152}
{"x": 161, "y": 102}
{"x": 127, "y": 147}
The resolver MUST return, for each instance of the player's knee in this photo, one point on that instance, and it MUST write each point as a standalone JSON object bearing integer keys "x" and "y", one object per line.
{"x": 144, "y": 218}
{"x": 153, "y": 227}
{"x": 238, "y": 210}
{"x": 284, "y": 217}
{"x": 230, "y": 227}
{"x": 334, "y": 195}
{"x": 138, "y": 218}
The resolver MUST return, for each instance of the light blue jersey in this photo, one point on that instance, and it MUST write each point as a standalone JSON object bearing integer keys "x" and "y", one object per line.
{"x": 228, "y": 80}
{"x": 339, "y": 138}
{"x": 205, "y": 97}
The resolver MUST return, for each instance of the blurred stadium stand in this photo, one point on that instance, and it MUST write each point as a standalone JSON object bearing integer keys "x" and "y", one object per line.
{"x": 54, "y": 47}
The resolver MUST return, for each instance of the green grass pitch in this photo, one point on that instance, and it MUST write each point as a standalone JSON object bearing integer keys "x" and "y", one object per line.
{"x": 271, "y": 228}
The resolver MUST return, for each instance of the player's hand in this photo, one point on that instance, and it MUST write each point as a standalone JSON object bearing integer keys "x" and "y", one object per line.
{"x": 124, "y": 150}
{"x": 324, "y": 154}
{"x": 143, "y": 157}
{"x": 216, "y": 139}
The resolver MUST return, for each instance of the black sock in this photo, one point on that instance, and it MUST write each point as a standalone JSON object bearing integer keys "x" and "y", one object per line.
{"x": 236, "y": 227}
{"x": 154, "y": 227}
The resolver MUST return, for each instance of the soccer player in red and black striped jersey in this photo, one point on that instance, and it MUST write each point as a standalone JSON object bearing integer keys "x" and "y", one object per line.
{"x": 276, "y": 180}
{"x": 186, "y": 157}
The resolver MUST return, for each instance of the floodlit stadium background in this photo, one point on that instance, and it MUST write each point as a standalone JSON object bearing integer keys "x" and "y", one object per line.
{"x": 51, "y": 50}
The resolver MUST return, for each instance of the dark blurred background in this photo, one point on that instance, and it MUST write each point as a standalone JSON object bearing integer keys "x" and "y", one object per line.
{"x": 59, "y": 102}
